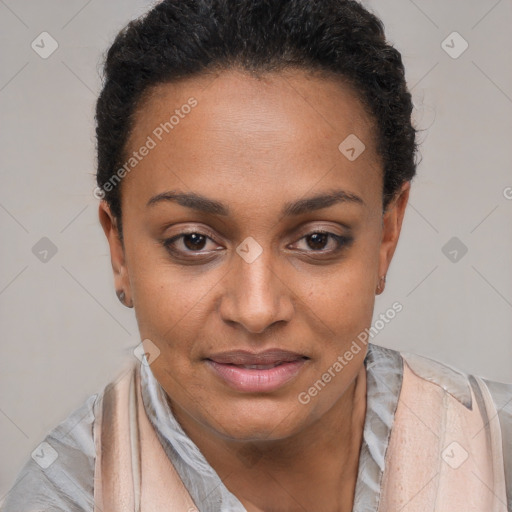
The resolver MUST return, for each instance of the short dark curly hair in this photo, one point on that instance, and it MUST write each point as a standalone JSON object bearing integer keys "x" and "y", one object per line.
{"x": 182, "y": 38}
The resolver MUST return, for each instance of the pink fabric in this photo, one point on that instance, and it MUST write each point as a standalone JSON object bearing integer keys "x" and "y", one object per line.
{"x": 442, "y": 456}
{"x": 133, "y": 472}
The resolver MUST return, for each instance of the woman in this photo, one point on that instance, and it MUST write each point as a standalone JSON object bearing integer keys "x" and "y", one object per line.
{"x": 254, "y": 166}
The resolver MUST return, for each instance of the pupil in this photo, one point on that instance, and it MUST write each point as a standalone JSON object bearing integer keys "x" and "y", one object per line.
{"x": 197, "y": 241}
{"x": 318, "y": 240}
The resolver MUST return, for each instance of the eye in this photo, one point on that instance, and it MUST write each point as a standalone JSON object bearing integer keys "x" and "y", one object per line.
{"x": 324, "y": 241}
{"x": 191, "y": 242}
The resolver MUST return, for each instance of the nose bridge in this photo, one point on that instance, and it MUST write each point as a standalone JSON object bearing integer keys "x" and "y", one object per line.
{"x": 256, "y": 296}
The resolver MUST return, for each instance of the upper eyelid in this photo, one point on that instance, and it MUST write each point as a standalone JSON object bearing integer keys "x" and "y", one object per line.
{"x": 206, "y": 232}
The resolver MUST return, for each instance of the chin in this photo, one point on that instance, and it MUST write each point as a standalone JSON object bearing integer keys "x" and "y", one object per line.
{"x": 259, "y": 424}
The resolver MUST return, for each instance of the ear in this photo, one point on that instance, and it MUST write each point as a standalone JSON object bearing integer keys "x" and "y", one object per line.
{"x": 391, "y": 226}
{"x": 117, "y": 253}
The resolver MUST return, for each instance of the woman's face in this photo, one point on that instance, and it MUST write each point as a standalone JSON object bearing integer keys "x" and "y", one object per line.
{"x": 275, "y": 240}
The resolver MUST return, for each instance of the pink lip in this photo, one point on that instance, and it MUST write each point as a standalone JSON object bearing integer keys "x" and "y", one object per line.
{"x": 257, "y": 380}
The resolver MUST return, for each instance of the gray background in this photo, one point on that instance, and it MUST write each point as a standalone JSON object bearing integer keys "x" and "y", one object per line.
{"x": 65, "y": 335}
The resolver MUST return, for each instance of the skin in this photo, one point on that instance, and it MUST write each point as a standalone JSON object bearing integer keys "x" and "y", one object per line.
{"x": 254, "y": 144}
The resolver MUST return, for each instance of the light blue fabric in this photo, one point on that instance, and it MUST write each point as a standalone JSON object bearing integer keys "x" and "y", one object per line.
{"x": 67, "y": 484}
{"x": 502, "y": 395}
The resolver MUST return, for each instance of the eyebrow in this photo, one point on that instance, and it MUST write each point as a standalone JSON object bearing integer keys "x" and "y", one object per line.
{"x": 211, "y": 206}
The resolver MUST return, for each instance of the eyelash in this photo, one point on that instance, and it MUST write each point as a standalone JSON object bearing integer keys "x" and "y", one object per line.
{"x": 342, "y": 241}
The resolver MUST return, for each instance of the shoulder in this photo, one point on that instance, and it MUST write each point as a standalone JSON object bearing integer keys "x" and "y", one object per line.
{"x": 452, "y": 380}
{"x": 460, "y": 385}
{"x": 502, "y": 395}
{"x": 59, "y": 475}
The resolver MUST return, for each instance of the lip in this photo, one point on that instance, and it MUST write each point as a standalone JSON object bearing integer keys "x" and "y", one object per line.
{"x": 286, "y": 366}
{"x": 270, "y": 356}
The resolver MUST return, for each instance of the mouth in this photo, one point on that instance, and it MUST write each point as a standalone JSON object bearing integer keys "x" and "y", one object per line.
{"x": 257, "y": 372}
{"x": 266, "y": 358}
{"x": 256, "y": 366}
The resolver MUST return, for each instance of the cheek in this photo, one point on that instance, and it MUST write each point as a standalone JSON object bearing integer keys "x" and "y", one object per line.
{"x": 345, "y": 300}
{"x": 165, "y": 298}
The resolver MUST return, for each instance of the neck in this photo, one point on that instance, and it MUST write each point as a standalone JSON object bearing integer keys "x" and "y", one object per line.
{"x": 313, "y": 469}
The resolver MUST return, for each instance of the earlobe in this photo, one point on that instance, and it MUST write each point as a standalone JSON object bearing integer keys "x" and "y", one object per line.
{"x": 381, "y": 285}
{"x": 123, "y": 299}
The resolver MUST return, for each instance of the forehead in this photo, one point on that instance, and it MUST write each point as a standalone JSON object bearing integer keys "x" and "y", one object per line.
{"x": 232, "y": 99}
{"x": 245, "y": 132}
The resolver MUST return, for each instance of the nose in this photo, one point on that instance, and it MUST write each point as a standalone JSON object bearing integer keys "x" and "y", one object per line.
{"x": 256, "y": 294}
